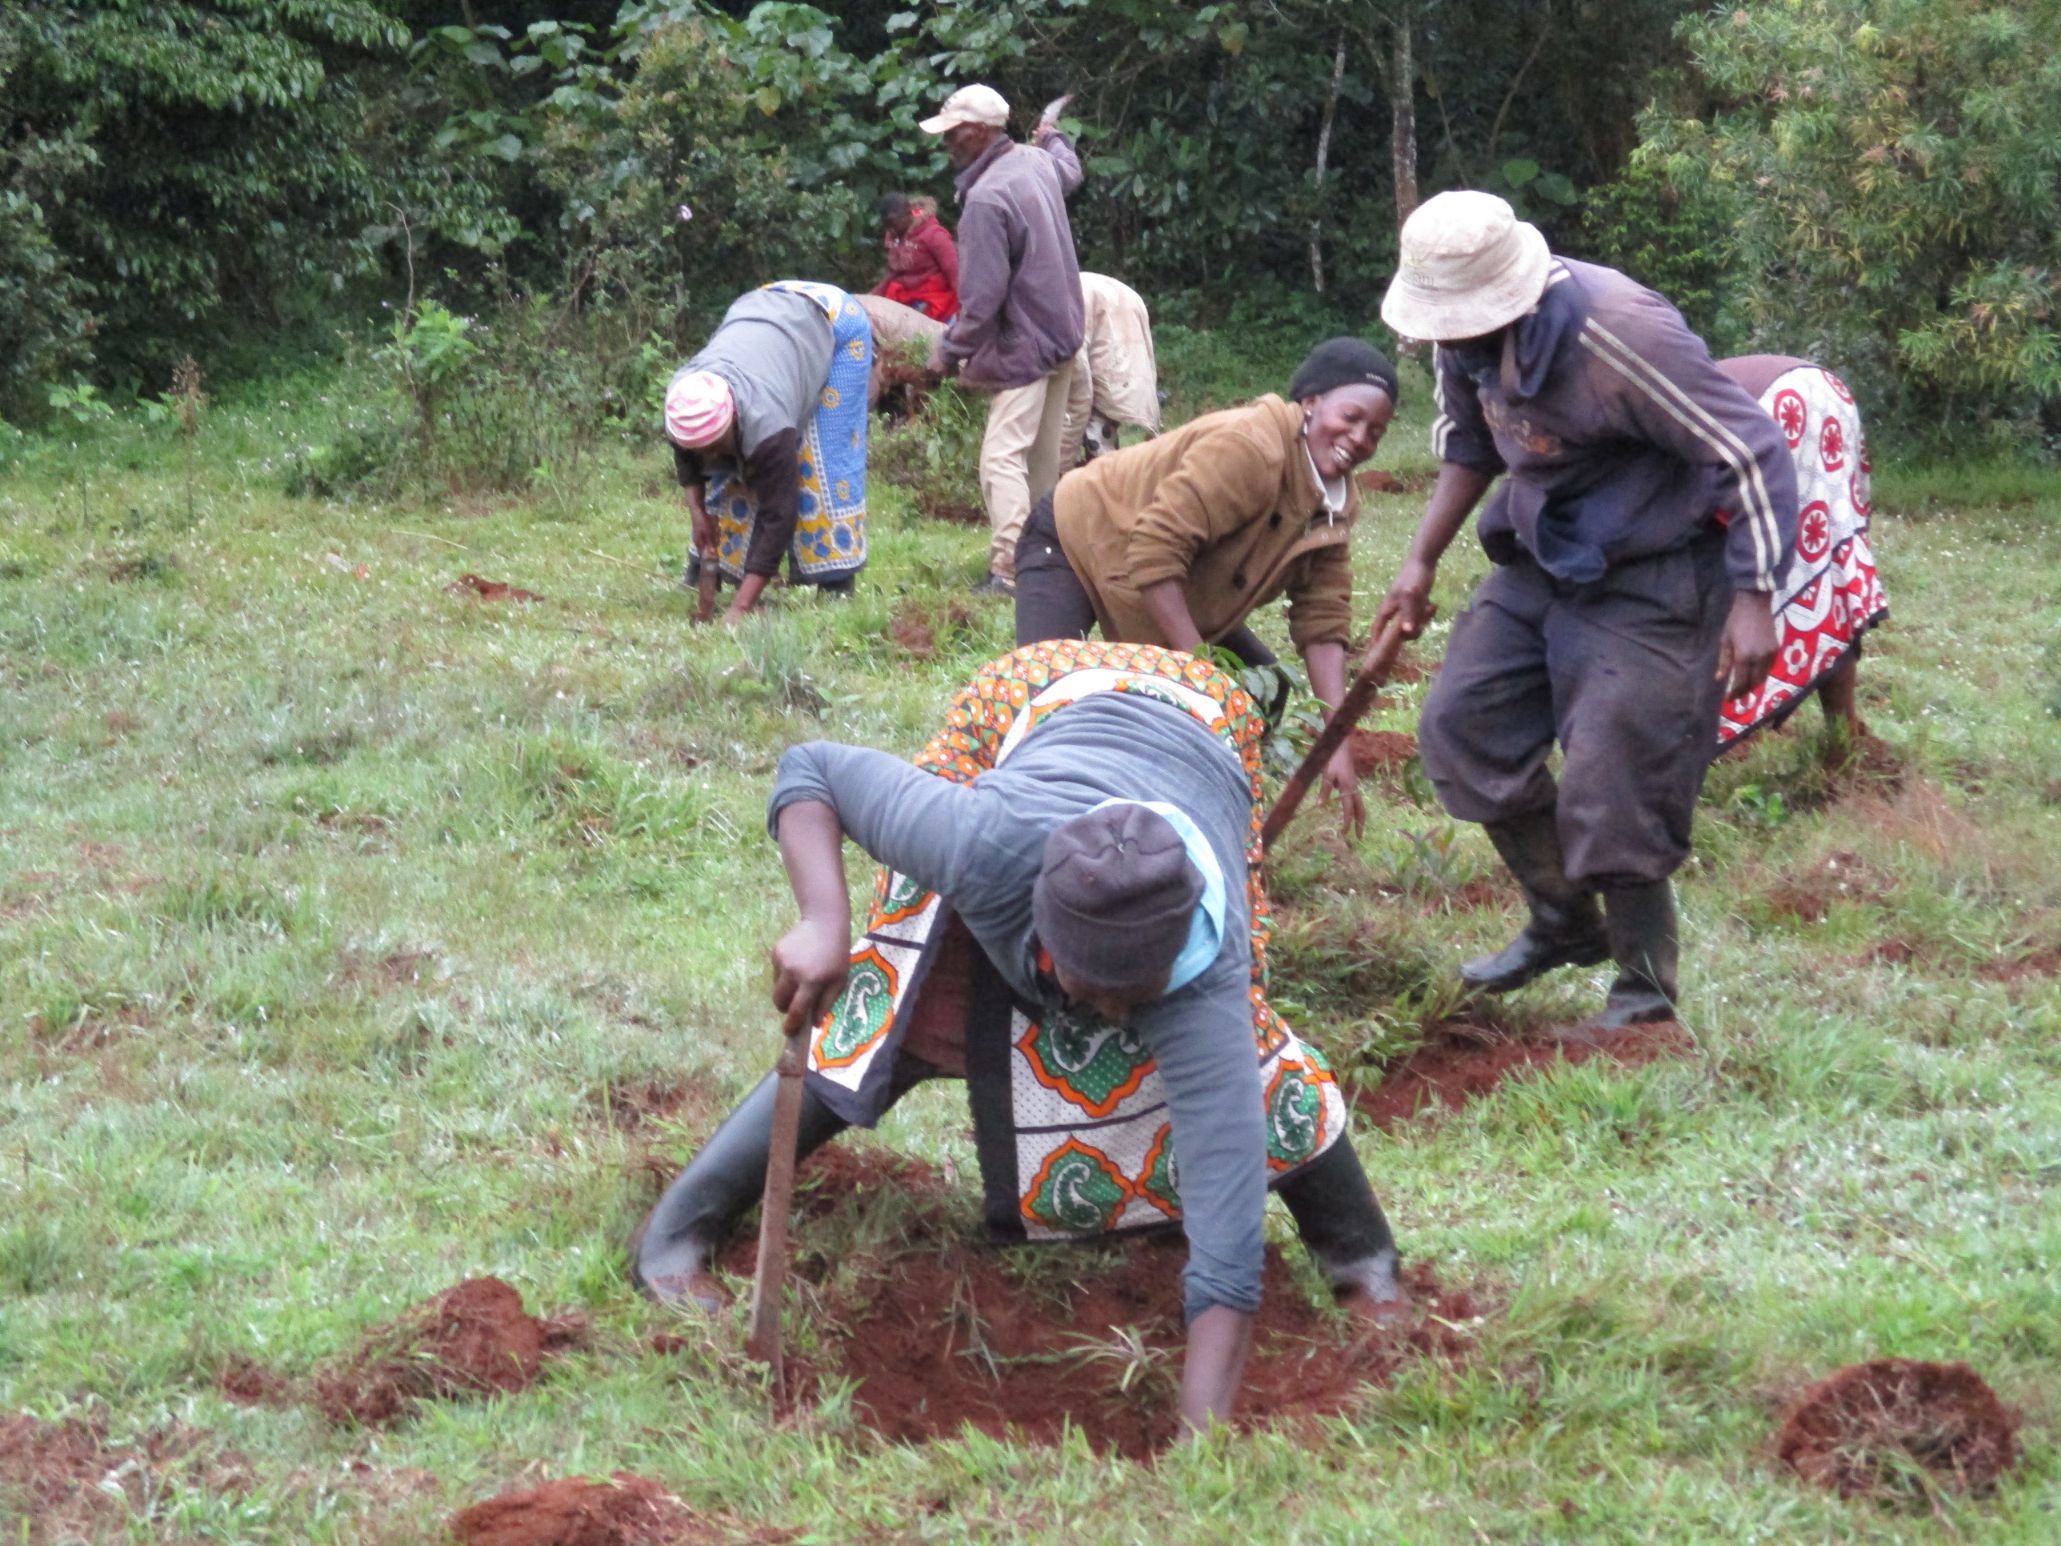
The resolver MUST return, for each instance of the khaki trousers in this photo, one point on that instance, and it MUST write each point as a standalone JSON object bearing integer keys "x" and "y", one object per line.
{"x": 1019, "y": 459}
{"x": 1080, "y": 407}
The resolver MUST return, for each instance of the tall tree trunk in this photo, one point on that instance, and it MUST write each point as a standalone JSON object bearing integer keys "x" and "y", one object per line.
{"x": 1402, "y": 107}
{"x": 1323, "y": 158}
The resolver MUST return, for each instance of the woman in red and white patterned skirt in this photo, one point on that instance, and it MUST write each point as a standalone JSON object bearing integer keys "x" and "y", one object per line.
{"x": 1830, "y": 594}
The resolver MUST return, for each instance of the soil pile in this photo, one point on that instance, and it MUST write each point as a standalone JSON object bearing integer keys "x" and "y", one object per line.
{"x": 627, "y": 1511}
{"x": 489, "y": 590}
{"x": 1895, "y": 1426}
{"x": 1381, "y": 751}
{"x": 948, "y": 1337}
{"x": 1462, "y": 1063}
{"x": 1379, "y": 480}
{"x": 470, "y": 1340}
{"x": 916, "y": 629}
{"x": 942, "y": 508}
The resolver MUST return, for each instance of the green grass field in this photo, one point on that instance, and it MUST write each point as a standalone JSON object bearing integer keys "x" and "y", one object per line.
{"x": 345, "y": 923}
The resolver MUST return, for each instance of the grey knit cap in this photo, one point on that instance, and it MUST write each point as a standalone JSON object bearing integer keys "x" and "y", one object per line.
{"x": 1114, "y": 898}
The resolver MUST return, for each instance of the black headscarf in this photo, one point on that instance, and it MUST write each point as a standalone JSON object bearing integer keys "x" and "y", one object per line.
{"x": 1338, "y": 362}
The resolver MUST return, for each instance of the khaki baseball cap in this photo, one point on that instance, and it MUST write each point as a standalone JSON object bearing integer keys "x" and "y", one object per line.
{"x": 969, "y": 104}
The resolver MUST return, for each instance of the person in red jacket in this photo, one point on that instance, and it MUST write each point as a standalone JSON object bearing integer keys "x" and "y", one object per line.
{"x": 922, "y": 261}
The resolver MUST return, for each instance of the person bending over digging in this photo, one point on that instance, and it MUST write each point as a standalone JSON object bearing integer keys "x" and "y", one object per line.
{"x": 768, "y": 427}
{"x": 1621, "y": 611}
{"x": 1830, "y": 595}
{"x": 1178, "y": 541}
{"x": 1070, "y": 917}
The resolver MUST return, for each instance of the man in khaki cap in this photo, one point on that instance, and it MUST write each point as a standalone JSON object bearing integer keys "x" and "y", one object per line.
{"x": 1646, "y": 514}
{"x": 1020, "y": 320}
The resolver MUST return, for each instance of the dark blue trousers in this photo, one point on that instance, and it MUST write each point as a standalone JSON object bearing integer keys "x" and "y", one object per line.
{"x": 1621, "y": 672}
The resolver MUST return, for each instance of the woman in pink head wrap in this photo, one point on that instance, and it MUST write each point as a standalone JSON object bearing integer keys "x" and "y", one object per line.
{"x": 768, "y": 428}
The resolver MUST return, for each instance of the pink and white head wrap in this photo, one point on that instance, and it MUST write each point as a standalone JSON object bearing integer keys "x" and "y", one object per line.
{"x": 699, "y": 407}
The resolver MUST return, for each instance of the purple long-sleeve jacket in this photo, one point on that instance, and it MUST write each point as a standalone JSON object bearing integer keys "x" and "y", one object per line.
{"x": 1020, "y": 310}
{"x": 1620, "y": 435}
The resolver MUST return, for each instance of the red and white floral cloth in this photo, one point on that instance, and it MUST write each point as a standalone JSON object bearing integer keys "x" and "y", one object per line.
{"x": 1830, "y": 594}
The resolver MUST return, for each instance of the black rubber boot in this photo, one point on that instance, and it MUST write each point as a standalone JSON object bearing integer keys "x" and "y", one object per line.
{"x": 1342, "y": 1224}
{"x": 1564, "y": 929}
{"x": 672, "y": 1251}
{"x": 1645, "y": 942}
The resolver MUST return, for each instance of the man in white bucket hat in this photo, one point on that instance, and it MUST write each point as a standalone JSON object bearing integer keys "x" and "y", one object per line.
{"x": 1021, "y": 320}
{"x": 1646, "y": 514}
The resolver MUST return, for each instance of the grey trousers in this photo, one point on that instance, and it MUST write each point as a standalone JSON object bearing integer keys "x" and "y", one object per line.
{"x": 1622, "y": 672}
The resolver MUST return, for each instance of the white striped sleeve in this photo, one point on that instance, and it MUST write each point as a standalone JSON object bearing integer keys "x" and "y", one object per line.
{"x": 1703, "y": 427}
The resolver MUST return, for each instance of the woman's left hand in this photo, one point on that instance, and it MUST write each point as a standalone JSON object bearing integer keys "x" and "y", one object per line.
{"x": 1343, "y": 779}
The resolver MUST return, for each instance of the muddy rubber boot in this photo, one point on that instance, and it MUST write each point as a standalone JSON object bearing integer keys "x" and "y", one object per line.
{"x": 1564, "y": 929}
{"x": 1645, "y": 942}
{"x": 1342, "y": 1224}
{"x": 675, "y": 1246}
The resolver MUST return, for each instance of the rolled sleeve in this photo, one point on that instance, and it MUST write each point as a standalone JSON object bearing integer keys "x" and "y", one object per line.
{"x": 1202, "y": 1040}
{"x": 1320, "y": 603}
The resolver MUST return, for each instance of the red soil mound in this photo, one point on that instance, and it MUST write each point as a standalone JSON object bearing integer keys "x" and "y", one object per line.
{"x": 2032, "y": 967}
{"x": 955, "y": 511}
{"x": 490, "y": 590}
{"x": 912, "y": 633}
{"x": 1885, "y": 1428}
{"x": 1379, "y": 480}
{"x": 469, "y": 1340}
{"x": 1381, "y": 751}
{"x": 1463, "y": 1063}
{"x": 949, "y": 1338}
{"x": 628, "y": 1511}
{"x": 249, "y": 1383}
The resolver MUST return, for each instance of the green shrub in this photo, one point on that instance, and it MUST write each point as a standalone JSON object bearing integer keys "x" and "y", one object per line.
{"x": 1894, "y": 167}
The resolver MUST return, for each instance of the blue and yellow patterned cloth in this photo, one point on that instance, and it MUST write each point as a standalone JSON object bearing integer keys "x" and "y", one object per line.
{"x": 830, "y": 529}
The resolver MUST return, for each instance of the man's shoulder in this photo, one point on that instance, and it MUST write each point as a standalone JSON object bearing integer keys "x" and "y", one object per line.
{"x": 1618, "y": 306}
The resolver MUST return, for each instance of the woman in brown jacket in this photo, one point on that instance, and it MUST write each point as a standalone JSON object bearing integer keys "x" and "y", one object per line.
{"x": 1175, "y": 541}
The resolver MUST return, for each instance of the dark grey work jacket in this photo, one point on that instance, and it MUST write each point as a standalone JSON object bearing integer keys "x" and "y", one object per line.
{"x": 1621, "y": 436}
{"x": 1020, "y": 310}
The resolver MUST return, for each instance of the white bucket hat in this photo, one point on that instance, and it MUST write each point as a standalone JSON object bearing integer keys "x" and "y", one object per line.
{"x": 1468, "y": 266}
{"x": 969, "y": 104}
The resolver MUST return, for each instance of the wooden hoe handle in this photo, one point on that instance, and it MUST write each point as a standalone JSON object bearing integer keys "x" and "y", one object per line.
{"x": 1358, "y": 699}
{"x": 709, "y": 577}
{"x": 770, "y": 1279}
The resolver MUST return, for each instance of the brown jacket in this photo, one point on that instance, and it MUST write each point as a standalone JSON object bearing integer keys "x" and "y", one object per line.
{"x": 1228, "y": 504}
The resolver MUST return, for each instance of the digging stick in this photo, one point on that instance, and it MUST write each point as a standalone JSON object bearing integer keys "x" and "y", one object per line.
{"x": 705, "y": 588}
{"x": 1359, "y": 697}
{"x": 771, "y": 1278}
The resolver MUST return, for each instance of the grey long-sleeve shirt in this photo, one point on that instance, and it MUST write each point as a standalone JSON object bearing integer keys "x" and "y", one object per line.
{"x": 980, "y": 846}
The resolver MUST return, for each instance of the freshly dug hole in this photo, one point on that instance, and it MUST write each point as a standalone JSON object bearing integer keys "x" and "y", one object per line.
{"x": 942, "y": 1333}
{"x": 1862, "y": 1431}
{"x": 1461, "y": 1064}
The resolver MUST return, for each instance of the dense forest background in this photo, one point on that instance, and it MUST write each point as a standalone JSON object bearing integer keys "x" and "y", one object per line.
{"x": 570, "y": 189}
